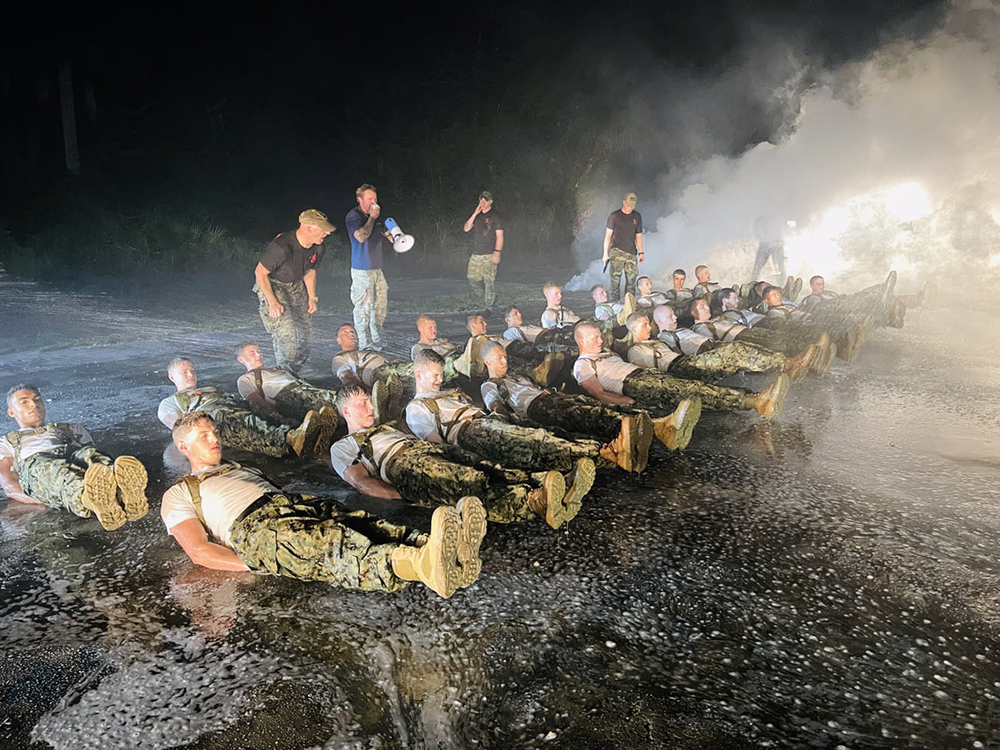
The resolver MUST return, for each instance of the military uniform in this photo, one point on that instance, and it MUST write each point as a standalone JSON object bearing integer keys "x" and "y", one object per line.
{"x": 282, "y": 534}
{"x": 713, "y": 364}
{"x": 813, "y": 301}
{"x": 291, "y": 397}
{"x": 559, "y": 317}
{"x": 370, "y": 366}
{"x": 433, "y": 474}
{"x": 789, "y": 340}
{"x": 704, "y": 288}
{"x": 651, "y": 301}
{"x": 238, "y": 428}
{"x": 452, "y": 416}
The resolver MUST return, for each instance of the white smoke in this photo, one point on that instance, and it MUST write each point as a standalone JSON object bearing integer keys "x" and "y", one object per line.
{"x": 890, "y": 163}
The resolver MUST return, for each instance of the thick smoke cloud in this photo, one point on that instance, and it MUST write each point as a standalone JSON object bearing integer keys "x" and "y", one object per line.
{"x": 886, "y": 162}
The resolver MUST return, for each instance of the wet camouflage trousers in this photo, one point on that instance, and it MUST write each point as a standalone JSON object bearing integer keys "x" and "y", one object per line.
{"x": 292, "y": 333}
{"x": 660, "y": 393}
{"x": 433, "y": 474}
{"x": 839, "y": 315}
{"x": 482, "y": 274}
{"x": 789, "y": 339}
{"x": 317, "y": 540}
{"x": 241, "y": 429}
{"x": 579, "y": 414}
{"x": 622, "y": 263}
{"x": 370, "y": 297}
{"x": 55, "y": 478}
{"x": 725, "y": 360}
{"x": 296, "y": 399}
{"x": 527, "y": 448}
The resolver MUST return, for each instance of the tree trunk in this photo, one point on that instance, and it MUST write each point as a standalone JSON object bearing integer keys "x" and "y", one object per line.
{"x": 69, "y": 117}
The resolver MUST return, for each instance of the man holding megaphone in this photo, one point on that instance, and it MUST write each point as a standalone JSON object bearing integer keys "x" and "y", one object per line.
{"x": 369, "y": 291}
{"x": 487, "y": 242}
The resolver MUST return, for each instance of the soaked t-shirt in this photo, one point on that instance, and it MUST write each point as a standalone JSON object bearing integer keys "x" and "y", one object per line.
{"x": 684, "y": 340}
{"x": 442, "y": 346}
{"x": 454, "y": 407}
{"x": 609, "y": 369}
{"x": 651, "y": 300}
{"x": 558, "y": 317}
{"x": 273, "y": 381}
{"x": 653, "y": 354}
{"x": 523, "y": 333}
{"x": 362, "y": 363}
{"x": 385, "y": 443}
{"x": 747, "y": 318}
{"x": 720, "y": 329}
{"x": 515, "y": 394}
{"x": 45, "y": 439}
{"x": 188, "y": 400}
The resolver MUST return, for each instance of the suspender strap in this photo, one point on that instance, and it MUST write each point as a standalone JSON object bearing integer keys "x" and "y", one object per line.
{"x": 258, "y": 379}
{"x": 445, "y": 427}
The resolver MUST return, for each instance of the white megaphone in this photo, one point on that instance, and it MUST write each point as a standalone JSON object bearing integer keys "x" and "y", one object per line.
{"x": 400, "y": 242}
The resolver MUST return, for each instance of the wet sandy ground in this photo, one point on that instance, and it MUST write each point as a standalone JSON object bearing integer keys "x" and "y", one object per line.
{"x": 828, "y": 580}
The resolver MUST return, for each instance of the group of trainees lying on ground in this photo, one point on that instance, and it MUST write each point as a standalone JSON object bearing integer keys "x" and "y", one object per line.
{"x": 530, "y": 416}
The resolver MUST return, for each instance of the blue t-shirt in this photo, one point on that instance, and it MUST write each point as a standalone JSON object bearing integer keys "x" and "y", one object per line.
{"x": 367, "y": 255}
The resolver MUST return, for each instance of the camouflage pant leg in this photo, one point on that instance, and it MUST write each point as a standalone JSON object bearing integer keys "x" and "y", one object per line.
{"x": 56, "y": 479}
{"x": 370, "y": 297}
{"x": 241, "y": 429}
{"x": 725, "y": 360}
{"x": 531, "y": 449}
{"x": 576, "y": 414}
{"x": 317, "y": 540}
{"x": 429, "y": 474}
{"x": 790, "y": 340}
{"x": 839, "y": 315}
{"x": 482, "y": 274}
{"x": 296, "y": 399}
{"x": 622, "y": 263}
{"x": 292, "y": 333}
{"x": 660, "y": 393}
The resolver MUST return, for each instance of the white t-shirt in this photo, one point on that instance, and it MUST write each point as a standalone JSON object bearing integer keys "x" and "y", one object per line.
{"x": 705, "y": 287}
{"x": 690, "y": 342}
{"x": 653, "y": 299}
{"x": 273, "y": 380}
{"x": 200, "y": 397}
{"x": 523, "y": 333}
{"x": 813, "y": 301}
{"x": 607, "y": 310}
{"x": 678, "y": 295}
{"x": 720, "y": 329}
{"x": 558, "y": 317}
{"x": 652, "y": 354}
{"x": 33, "y": 442}
{"x": 451, "y": 405}
{"x": 442, "y": 346}
{"x": 362, "y": 363}
{"x": 520, "y": 393}
{"x": 225, "y": 494}
{"x": 385, "y": 443}
{"x": 610, "y": 370}
{"x": 747, "y": 318}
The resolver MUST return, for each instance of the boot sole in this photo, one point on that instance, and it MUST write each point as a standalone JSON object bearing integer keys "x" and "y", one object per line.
{"x": 583, "y": 480}
{"x": 473, "y": 516}
{"x": 380, "y": 400}
{"x": 779, "y": 397}
{"x": 685, "y": 427}
{"x": 324, "y": 440}
{"x": 556, "y": 512}
{"x": 647, "y": 432}
{"x": 446, "y": 572}
{"x": 100, "y": 495}
{"x": 131, "y": 478}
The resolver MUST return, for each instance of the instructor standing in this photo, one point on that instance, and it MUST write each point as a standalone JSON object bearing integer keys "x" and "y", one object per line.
{"x": 487, "y": 242}
{"x": 369, "y": 292}
{"x": 623, "y": 247}
{"x": 286, "y": 287}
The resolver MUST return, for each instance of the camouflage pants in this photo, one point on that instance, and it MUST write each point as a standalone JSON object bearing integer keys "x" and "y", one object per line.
{"x": 296, "y": 399}
{"x": 482, "y": 274}
{"x": 527, "y": 448}
{"x": 317, "y": 540}
{"x": 292, "y": 333}
{"x": 622, "y": 262}
{"x": 660, "y": 393}
{"x": 433, "y": 474}
{"x": 370, "y": 296}
{"x": 55, "y": 478}
{"x": 765, "y": 252}
{"x": 789, "y": 340}
{"x": 557, "y": 340}
{"x": 839, "y": 315}
{"x": 725, "y": 360}
{"x": 241, "y": 429}
{"x": 579, "y": 414}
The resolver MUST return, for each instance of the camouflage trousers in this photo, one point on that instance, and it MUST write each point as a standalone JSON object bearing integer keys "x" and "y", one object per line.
{"x": 579, "y": 414}
{"x": 660, "y": 393}
{"x": 839, "y": 315}
{"x": 482, "y": 274}
{"x": 433, "y": 474}
{"x": 622, "y": 263}
{"x": 789, "y": 339}
{"x": 297, "y": 399}
{"x": 370, "y": 296}
{"x": 767, "y": 251}
{"x": 239, "y": 428}
{"x": 724, "y": 360}
{"x": 292, "y": 333}
{"x": 527, "y": 448}
{"x": 55, "y": 478}
{"x": 557, "y": 340}
{"x": 317, "y": 540}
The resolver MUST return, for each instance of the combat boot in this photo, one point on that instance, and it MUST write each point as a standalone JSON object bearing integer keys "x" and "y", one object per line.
{"x": 797, "y": 367}
{"x": 302, "y": 439}
{"x": 674, "y": 431}
{"x": 131, "y": 478}
{"x": 380, "y": 401}
{"x": 927, "y": 294}
{"x": 395, "y": 386}
{"x": 327, "y": 427}
{"x": 768, "y": 404}
{"x": 436, "y": 564}
{"x": 628, "y": 307}
{"x": 548, "y": 370}
{"x": 825, "y": 350}
{"x": 547, "y": 500}
{"x": 463, "y": 362}
{"x": 100, "y": 496}
{"x": 898, "y": 314}
{"x": 578, "y": 483}
{"x": 470, "y": 539}
{"x": 796, "y": 289}
{"x": 786, "y": 290}
{"x": 887, "y": 288}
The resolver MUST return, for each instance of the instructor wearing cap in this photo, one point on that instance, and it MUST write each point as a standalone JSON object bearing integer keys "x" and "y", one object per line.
{"x": 623, "y": 247}
{"x": 487, "y": 242}
{"x": 286, "y": 287}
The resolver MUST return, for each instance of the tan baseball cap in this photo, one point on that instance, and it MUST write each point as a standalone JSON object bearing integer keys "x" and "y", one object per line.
{"x": 630, "y": 200}
{"x": 317, "y": 219}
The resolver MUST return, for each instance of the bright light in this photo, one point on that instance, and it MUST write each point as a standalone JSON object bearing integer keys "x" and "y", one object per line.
{"x": 835, "y": 221}
{"x": 791, "y": 223}
{"x": 908, "y": 202}
{"x": 995, "y": 215}
{"x": 994, "y": 260}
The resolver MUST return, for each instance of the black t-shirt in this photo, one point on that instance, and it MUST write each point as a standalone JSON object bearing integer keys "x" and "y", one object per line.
{"x": 484, "y": 232}
{"x": 287, "y": 261}
{"x": 624, "y": 228}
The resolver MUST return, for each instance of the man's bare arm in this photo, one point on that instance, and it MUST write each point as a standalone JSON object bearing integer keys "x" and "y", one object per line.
{"x": 470, "y": 222}
{"x": 309, "y": 279}
{"x": 361, "y": 234}
{"x": 359, "y": 478}
{"x": 607, "y": 245}
{"x": 191, "y": 535}
{"x": 11, "y": 482}
{"x": 593, "y": 388}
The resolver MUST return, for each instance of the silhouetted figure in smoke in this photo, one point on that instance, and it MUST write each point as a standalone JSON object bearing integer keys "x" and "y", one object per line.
{"x": 770, "y": 245}
{"x": 623, "y": 246}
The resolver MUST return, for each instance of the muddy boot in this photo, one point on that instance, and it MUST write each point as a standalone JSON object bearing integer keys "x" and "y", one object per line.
{"x": 898, "y": 315}
{"x": 825, "y": 350}
{"x": 463, "y": 362}
{"x": 849, "y": 346}
{"x": 302, "y": 439}
{"x": 674, "y": 431}
{"x": 470, "y": 539}
{"x": 927, "y": 294}
{"x": 796, "y": 289}
{"x": 435, "y": 564}
{"x": 380, "y": 401}
{"x": 797, "y": 367}
{"x": 100, "y": 495}
{"x": 579, "y": 481}
{"x": 744, "y": 294}
{"x": 644, "y": 440}
{"x": 395, "y": 386}
{"x": 547, "y": 372}
{"x": 890, "y": 284}
{"x": 628, "y": 307}
{"x": 786, "y": 290}
{"x": 130, "y": 476}
{"x": 768, "y": 404}
{"x": 327, "y": 426}
{"x": 547, "y": 500}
